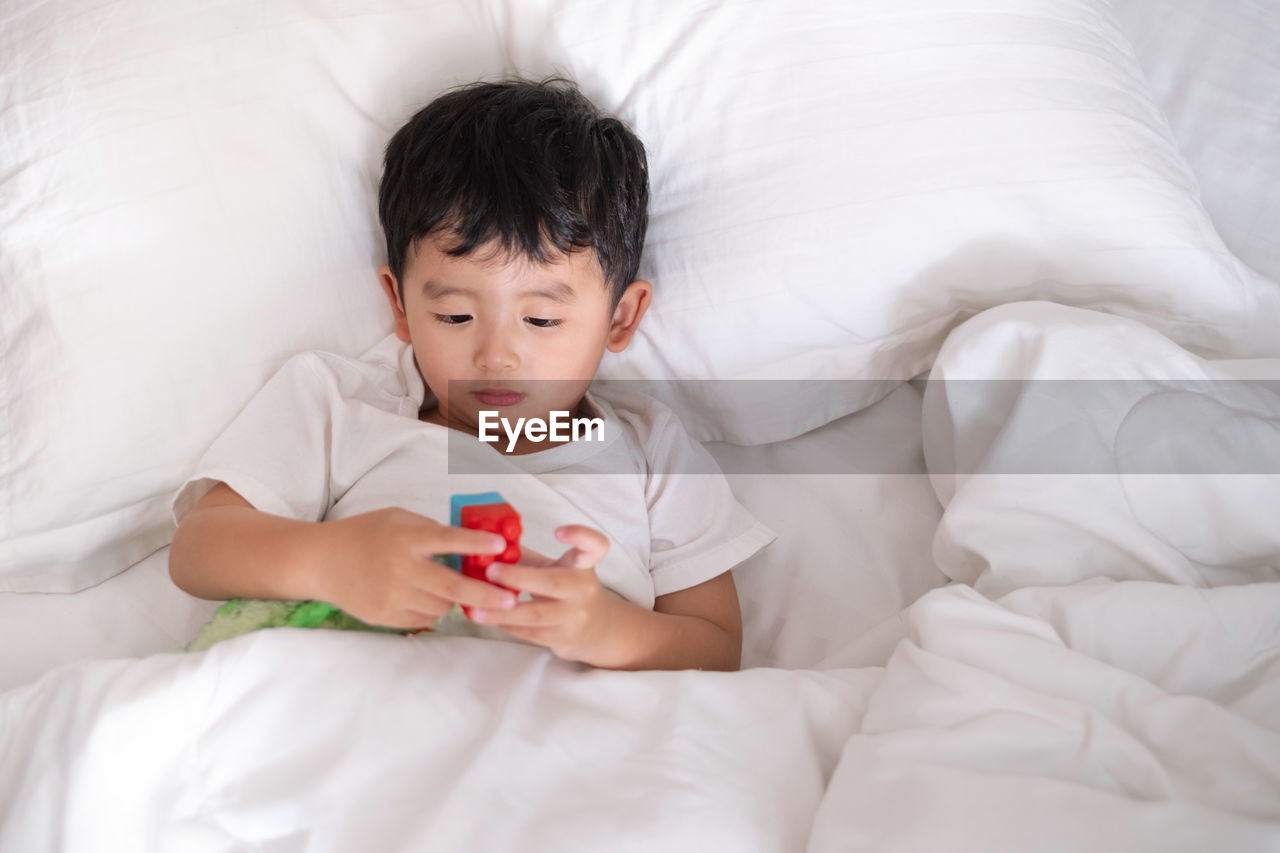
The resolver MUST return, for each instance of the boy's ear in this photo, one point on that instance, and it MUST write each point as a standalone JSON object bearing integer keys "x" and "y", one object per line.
{"x": 388, "y": 282}
{"x": 626, "y": 316}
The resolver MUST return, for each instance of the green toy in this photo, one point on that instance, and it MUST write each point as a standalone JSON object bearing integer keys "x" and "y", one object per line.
{"x": 244, "y": 615}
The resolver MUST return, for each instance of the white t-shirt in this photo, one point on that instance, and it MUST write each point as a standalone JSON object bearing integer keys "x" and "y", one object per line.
{"x": 330, "y": 437}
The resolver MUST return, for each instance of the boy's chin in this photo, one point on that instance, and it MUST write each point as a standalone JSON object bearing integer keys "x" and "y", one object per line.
{"x": 526, "y": 409}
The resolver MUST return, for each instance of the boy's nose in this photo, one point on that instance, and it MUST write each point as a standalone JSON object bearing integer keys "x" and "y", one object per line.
{"x": 493, "y": 355}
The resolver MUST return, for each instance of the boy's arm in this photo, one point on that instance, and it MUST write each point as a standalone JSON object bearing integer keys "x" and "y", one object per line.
{"x": 224, "y": 548}
{"x": 376, "y": 566}
{"x": 695, "y": 628}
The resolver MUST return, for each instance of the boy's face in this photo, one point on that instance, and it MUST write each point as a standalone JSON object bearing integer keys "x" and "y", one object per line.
{"x": 495, "y": 333}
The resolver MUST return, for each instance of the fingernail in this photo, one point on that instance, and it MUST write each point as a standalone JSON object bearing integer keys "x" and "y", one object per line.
{"x": 509, "y": 602}
{"x": 478, "y": 615}
{"x": 498, "y": 545}
{"x": 492, "y": 572}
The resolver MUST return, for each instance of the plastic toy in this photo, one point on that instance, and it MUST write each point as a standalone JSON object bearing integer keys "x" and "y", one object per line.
{"x": 243, "y": 615}
{"x": 485, "y": 511}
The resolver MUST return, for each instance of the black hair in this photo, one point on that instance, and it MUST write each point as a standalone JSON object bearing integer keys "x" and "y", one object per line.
{"x": 534, "y": 166}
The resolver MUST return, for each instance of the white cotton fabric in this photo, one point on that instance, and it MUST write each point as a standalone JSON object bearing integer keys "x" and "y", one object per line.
{"x": 1115, "y": 716}
{"x": 330, "y": 437}
{"x": 1183, "y": 526}
{"x": 328, "y": 742}
{"x": 1106, "y": 676}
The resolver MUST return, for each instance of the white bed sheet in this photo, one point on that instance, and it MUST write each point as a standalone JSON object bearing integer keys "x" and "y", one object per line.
{"x": 1106, "y": 676}
{"x": 800, "y": 608}
{"x": 324, "y": 741}
{"x": 136, "y": 613}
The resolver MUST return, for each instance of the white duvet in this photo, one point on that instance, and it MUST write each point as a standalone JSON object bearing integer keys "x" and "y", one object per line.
{"x": 1106, "y": 676}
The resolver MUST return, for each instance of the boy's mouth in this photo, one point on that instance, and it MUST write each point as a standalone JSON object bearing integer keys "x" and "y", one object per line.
{"x": 498, "y": 396}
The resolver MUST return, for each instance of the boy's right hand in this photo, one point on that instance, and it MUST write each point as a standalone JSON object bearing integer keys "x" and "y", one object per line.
{"x": 381, "y": 572}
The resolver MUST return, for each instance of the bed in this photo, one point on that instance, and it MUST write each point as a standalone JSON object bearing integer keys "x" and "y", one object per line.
{"x": 1003, "y": 273}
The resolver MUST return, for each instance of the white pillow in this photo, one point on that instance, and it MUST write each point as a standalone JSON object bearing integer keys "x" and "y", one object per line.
{"x": 1215, "y": 72}
{"x": 837, "y": 184}
{"x": 188, "y": 198}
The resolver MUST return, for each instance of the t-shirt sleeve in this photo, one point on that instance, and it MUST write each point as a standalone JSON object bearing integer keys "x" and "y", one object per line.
{"x": 276, "y": 452}
{"x": 698, "y": 529}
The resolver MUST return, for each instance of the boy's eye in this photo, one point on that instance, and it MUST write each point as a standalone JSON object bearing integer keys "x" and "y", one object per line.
{"x": 541, "y": 323}
{"x": 452, "y": 319}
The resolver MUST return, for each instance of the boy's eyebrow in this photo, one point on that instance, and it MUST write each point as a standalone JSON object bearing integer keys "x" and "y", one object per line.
{"x": 433, "y": 289}
{"x": 557, "y": 292}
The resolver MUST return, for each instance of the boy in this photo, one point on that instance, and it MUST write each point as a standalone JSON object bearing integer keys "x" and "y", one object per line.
{"x": 514, "y": 215}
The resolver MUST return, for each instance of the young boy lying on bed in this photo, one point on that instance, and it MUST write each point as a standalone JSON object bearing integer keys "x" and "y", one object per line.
{"x": 514, "y": 215}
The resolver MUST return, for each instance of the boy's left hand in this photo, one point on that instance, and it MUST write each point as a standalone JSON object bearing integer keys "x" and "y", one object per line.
{"x": 566, "y": 613}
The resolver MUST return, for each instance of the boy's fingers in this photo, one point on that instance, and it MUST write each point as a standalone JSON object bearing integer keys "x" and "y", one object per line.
{"x": 559, "y": 583}
{"x": 444, "y": 583}
{"x": 590, "y": 542}
{"x": 576, "y": 558}
{"x": 526, "y": 614}
{"x": 539, "y": 636}
{"x": 443, "y": 539}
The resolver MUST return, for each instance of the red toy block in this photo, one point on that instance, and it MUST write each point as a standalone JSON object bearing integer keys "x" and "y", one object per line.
{"x": 499, "y": 518}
